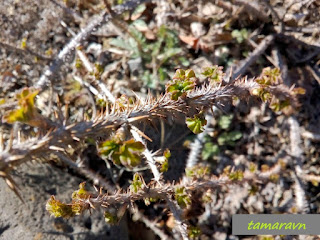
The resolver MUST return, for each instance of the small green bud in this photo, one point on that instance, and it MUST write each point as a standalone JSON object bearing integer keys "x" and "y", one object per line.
{"x": 182, "y": 197}
{"x": 59, "y": 209}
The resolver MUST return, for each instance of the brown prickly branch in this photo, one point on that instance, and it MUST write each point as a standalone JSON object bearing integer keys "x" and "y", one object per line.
{"x": 161, "y": 192}
{"x": 73, "y": 135}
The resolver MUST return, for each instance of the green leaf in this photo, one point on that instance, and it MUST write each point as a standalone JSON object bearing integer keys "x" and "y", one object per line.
{"x": 214, "y": 73}
{"x": 81, "y": 193}
{"x": 235, "y": 135}
{"x": 129, "y": 153}
{"x": 182, "y": 83}
{"x": 184, "y": 61}
{"x": 137, "y": 183}
{"x": 269, "y": 76}
{"x": 169, "y": 54}
{"x": 164, "y": 166}
{"x": 27, "y": 110}
{"x": 225, "y": 121}
{"x": 138, "y": 36}
{"x": 148, "y": 79}
{"x": 197, "y": 171}
{"x": 196, "y": 124}
{"x": 119, "y": 42}
{"x": 162, "y": 74}
{"x": 181, "y": 197}
{"x": 59, "y": 209}
{"x": 126, "y": 153}
{"x": 210, "y": 150}
{"x": 108, "y": 147}
{"x": 165, "y": 162}
{"x": 162, "y": 32}
{"x": 229, "y": 138}
{"x": 110, "y": 218}
{"x": 17, "y": 115}
{"x": 139, "y": 9}
{"x": 236, "y": 175}
{"x": 241, "y": 35}
{"x": 194, "y": 232}
{"x": 179, "y": 74}
{"x": 139, "y": 23}
{"x": 156, "y": 47}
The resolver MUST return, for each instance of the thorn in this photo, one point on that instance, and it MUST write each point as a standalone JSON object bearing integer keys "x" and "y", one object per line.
{"x": 141, "y": 133}
{"x": 66, "y": 114}
{"x": 10, "y": 142}
{"x": 113, "y": 108}
{"x": 12, "y": 185}
{"x": 133, "y": 119}
{"x": 55, "y": 114}
{"x": 19, "y": 136}
{"x": 55, "y": 148}
{"x": 107, "y": 109}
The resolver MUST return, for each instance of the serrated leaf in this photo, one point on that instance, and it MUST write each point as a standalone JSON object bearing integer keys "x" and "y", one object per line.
{"x": 229, "y": 138}
{"x": 139, "y": 10}
{"x": 129, "y": 153}
{"x": 81, "y": 193}
{"x": 110, "y": 218}
{"x": 196, "y": 124}
{"x": 209, "y": 150}
{"x": 17, "y": 115}
{"x": 119, "y": 42}
{"x": 181, "y": 83}
{"x": 169, "y": 54}
{"x": 236, "y": 175}
{"x": 27, "y": 110}
{"x": 235, "y": 135}
{"x": 184, "y": 61}
{"x": 137, "y": 183}
{"x": 138, "y": 36}
{"x": 179, "y": 74}
{"x": 269, "y": 76}
{"x": 162, "y": 74}
{"x": 140, "y": 24}
{"x": 214, "y": 73}
{"x": 108, "y": 147}
{"x": 181, "y": 197}
{"x": 225, "y": 121}
{"x": 241, "y": 35}
{"x": 59, "y": 209}
{"x": 165, "y": 163}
